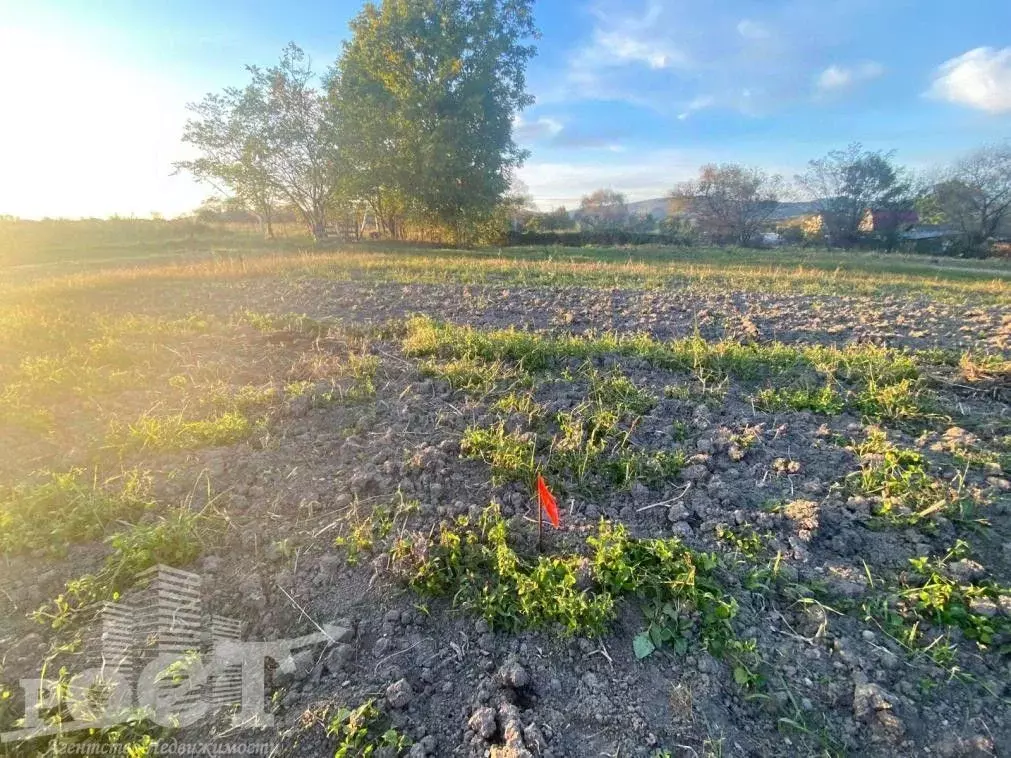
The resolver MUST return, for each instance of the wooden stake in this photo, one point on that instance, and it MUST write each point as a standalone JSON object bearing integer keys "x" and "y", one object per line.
{"x": 540, "y": 524}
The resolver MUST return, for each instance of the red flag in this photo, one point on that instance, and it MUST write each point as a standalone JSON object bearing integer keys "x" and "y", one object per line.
{"x": 547, "y": 501}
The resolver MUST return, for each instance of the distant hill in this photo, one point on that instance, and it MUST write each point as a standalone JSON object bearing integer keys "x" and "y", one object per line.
{"x": 656, "y": 206}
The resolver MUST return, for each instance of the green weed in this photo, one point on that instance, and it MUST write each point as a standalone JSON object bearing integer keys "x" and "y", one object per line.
{"x": 510, "y": 454}
{"x": 617, "y": 392}
{"x": 361, "y": 532}
{"x": 175, "y": 539}
{"x": 743, "y": 540}
{"x": 471, "y": 375}
{"x": 928, "y": 603}
{"x": 901, "y": 401}
{"x": 825, "y": 400}
{"x": 19, "y": 409}
{"x": 650, "y": 467}
{"x": 901, "y": 478}
{"x": 522, "y": 403}
{"x": 475, "y": 565}
{"x": 933, "y": 596}
{"x": 288, "y": 322}
{"x": 360, "y": 733}
{"x": 677, "y": 588}
{"x": 68, "y": 508}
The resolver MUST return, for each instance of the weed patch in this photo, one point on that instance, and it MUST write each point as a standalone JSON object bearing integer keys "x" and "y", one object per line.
{"x": 471, "y": 375}
{"x": 69, "y": 507}
{"x": 364, "y": 731}
{"x": 825, "y": 400}
{"x": 176, "y": 539}
{"x": 617, "y": 392}
{"x": 929, "y": 602}
{"x": 682, "y": 600}
{"x": 510, "y": 454}
{"x": 473, "y": 563}
{"x": 360, "y": 532}
{"x": 904, "y": 400}
{"x": 901, "y": 480}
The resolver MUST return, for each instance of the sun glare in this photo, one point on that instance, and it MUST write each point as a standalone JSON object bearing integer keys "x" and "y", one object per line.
{"x": 82, "y": 135}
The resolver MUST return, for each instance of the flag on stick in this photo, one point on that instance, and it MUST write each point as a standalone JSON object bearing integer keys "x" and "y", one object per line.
{"x": 547, "y": 502}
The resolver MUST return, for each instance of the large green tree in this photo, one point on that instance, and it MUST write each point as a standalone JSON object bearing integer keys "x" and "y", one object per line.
{"x": 275, "y": 139}
{"x": 427, "y": 92}
{"x": 847, "y": 183}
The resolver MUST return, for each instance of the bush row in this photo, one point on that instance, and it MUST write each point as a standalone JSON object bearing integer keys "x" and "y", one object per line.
{"x": 599, "y": 237}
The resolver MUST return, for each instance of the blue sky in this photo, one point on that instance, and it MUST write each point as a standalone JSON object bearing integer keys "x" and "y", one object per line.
{"x": 631, "y": 94}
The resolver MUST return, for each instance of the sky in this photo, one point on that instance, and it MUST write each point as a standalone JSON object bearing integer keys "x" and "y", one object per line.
{"x": 633, "y": 95}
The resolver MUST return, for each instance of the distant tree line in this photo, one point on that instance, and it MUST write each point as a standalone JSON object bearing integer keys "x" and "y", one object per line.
{"x": 408, "y": 134}
{"x": 859, "y": 198}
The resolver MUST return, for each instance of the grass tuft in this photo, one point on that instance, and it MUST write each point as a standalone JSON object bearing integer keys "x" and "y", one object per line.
{"x": 177, "y": 433}
{"x": 69, "y": 507}
{"x": 176, "y": 539}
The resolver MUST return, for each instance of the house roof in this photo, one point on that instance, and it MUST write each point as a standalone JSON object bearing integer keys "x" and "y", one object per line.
{"x": 930, "y": 231}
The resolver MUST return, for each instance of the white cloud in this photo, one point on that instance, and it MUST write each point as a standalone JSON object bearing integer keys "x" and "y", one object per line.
{"x": 753, "y": 30}
{"x": 666, "y": 55}
{"x": 981, "y": 78}
{"x": 620, "y": 41}
{"x": 633, "y": 39}
{"x": 837, "y": 77}
{"x": 621, "y": 47}
{"x": 544, "y": 127}
{"x": 700, "y": 103}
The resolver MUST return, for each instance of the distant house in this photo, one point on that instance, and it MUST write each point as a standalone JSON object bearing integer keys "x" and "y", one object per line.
{"x": 808, "y": 225}
{"x": 929, "y": 238}
{"x": 883, "y": 221}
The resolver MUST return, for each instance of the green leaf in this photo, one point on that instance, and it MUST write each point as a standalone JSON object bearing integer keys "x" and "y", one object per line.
{"x": 643, "y": 646}
{"x": 742, "y": 676}
{"x": 655, "y": 636}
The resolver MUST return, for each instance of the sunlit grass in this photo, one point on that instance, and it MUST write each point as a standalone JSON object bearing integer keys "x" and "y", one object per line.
{"x": 175, "y": 432}
{"x": 704, "y": 269}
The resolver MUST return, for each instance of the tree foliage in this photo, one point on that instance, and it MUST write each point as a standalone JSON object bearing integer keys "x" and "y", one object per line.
{"x": 729, "y": 203}
{"x": 227, "y": 130}
{"x": 847, "y": 183}
{"x": 552, "y": 221}
{"x": 427, "y": 91}
{"x": 974, "y": 195}
{"x": 273, "y": 140}
{"x": 603, "y": 209}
